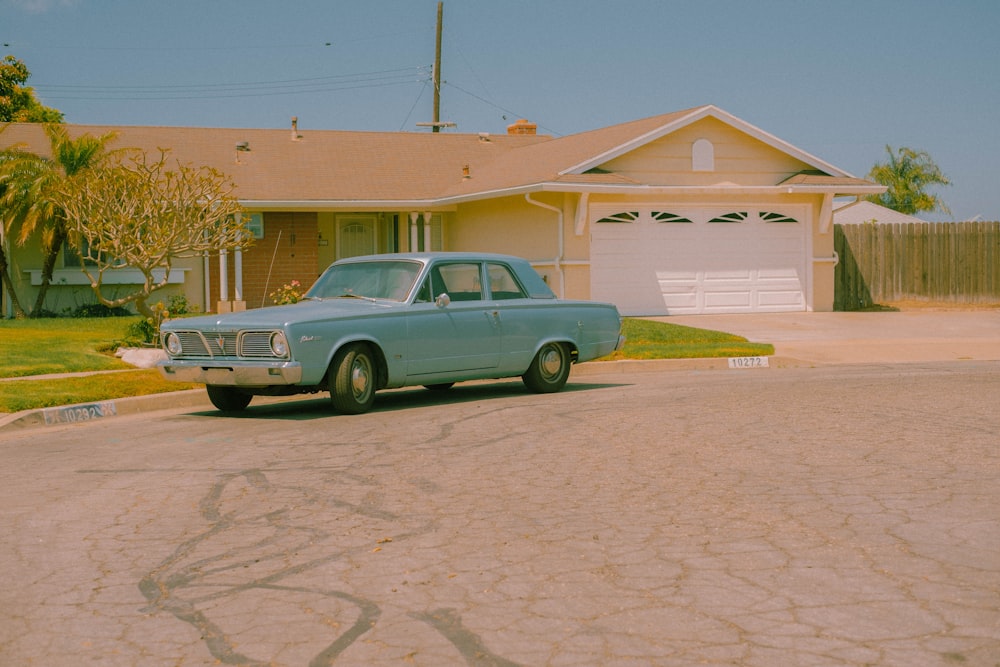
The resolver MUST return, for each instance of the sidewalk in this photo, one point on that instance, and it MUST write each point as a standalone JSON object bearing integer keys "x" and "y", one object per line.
{"x": 799, "y": 339}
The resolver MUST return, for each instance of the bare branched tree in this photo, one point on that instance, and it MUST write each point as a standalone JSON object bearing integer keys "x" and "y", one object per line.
{"x": 144, "y": 213}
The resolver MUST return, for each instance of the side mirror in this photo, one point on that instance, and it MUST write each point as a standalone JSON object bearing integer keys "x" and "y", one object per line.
{"x": 442, "y": 300}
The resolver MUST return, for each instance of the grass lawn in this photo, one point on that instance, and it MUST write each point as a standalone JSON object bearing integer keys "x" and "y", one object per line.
{"x": 61, "y": 345}
{"x": 645, "y": 339}
{"x": 68, "y": 345}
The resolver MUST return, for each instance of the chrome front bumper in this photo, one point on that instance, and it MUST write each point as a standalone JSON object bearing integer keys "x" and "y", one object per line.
{"x": 231, "y": 373}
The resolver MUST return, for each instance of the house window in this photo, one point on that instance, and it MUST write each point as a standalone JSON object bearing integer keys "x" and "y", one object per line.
{"x": 624, "y": 216}
{"x": 419, "y": 227}
{"x": 665, "y": 216}
{"x": 702, "y": 155}
{"x": 71, "y": 256}
{"x": 255, "y": 224}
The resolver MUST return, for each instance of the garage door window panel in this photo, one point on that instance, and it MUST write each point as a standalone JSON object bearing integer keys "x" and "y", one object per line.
{"x": 737, "y": 217}
{"x": 623, "y": 218}
{"x": 771, "y": 217}
{"x": 672, "y": 218}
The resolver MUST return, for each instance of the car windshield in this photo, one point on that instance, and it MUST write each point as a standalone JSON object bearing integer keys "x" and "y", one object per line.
{"x": 389, "y": 279}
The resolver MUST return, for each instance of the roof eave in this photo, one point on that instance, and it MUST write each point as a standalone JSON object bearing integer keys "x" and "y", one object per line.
{"x": 450, "y": 202}
{"x": 836, "y": 190}
{"x": 340, "y": 204}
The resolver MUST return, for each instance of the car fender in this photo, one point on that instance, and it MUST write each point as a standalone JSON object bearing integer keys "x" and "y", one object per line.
{"x": 569, "y": 342}
{"x": 380, "y": 358}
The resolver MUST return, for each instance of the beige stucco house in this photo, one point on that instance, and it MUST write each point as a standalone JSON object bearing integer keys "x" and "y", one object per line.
{"x": 690, "y": 212}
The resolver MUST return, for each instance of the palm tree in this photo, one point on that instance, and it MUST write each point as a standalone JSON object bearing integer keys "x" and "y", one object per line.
{"x": 6, "y": 157}
{"x": 908, "y": 173}
{"x": 28, "y": 183}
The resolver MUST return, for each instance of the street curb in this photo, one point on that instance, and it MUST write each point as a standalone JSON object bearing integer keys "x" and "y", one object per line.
{"x": 81, "y": 412}
{"x": 197, "y": 398}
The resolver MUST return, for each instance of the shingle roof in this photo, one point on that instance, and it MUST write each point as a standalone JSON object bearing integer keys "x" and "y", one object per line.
{"x": 807, "y": 178}
{"x": 382, "y": 167}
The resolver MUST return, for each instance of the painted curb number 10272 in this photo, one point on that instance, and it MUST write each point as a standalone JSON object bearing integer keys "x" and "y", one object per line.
{"x": 748, "y": 362}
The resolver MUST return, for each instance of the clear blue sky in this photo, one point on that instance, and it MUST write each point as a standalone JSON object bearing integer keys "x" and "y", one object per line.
{"x": 839, "y": 79}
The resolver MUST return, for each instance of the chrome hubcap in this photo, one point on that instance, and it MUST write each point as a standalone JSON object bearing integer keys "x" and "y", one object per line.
{"x": 551, "y": 362}
{"x": 360, "y": 378}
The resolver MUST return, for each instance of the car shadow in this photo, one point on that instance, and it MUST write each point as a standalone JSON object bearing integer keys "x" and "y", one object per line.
{"x": 298, "y": 408}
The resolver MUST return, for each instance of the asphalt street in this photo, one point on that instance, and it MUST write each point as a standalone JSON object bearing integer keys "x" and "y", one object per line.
{"x": 838, "y": 507}
{"x": 844, "y": 514}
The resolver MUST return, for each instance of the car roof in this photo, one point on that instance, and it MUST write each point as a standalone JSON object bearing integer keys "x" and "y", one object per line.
{"x": 429, "y": 256}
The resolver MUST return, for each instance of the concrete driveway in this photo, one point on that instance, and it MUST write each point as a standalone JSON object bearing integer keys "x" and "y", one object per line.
{"x": 862, "y": 338}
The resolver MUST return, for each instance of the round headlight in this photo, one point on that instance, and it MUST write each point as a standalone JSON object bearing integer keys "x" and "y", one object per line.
{"x": 279, "y": 346}
{"x": 172, "y": 343}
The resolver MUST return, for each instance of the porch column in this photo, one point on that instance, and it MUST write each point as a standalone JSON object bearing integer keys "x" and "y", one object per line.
{"x": 238, "y": 303}
{"x": 223, "y": 306}
{"x": 414, "y": 231}
{"x": 206, "y": 271}
{"x": 427, "y": 232}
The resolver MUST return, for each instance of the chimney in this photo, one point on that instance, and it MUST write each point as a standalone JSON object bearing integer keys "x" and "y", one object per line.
{"x": 295, "y": 129}
{"x": 522, "y": 127}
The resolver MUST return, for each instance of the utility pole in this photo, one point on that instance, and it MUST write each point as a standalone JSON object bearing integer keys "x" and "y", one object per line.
{"x": 436, "y": 127}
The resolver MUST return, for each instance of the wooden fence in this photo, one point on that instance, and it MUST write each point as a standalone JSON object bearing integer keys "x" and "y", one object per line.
{"x": 947, "y": 262}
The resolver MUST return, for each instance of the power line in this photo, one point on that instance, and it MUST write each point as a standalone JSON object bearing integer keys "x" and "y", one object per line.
{"x": 382, "y": 78}
{"x": 497, "y": 106}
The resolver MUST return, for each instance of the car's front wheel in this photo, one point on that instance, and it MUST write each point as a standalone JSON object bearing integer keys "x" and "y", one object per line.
{"x": 352, "y": 380}
{"x": 228, "y": 399}
{"x": 549, "y": 370}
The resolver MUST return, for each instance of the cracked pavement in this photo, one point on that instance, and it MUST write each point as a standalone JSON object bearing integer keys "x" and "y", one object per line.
{"x": 830, "y": 516}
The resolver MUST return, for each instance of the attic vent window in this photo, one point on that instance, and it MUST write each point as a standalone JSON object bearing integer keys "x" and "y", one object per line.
{"x": 624, "y": 216}
{"x": 703, "y": 155}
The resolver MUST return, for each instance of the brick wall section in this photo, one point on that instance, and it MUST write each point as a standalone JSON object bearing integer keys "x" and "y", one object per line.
{"x": 291, "y": 242}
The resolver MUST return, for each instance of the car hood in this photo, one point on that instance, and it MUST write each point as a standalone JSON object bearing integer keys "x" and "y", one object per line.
{"x": 278, "y": 316}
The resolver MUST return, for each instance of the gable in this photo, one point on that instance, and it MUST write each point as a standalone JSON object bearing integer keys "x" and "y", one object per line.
{"x": 739, "y": 158}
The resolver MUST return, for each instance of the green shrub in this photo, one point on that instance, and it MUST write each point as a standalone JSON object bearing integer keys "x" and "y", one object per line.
{"x": 99, "y": 310}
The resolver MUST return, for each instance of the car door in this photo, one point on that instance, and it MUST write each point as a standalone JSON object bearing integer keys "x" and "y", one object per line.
{"x": 463, "y": 335}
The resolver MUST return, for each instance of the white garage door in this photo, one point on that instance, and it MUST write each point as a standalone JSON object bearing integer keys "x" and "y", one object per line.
{"x": 671, "y": 261}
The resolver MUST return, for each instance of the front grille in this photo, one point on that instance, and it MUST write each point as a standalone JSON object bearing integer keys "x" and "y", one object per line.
{"x": 192, "y": 344}
{"x": 222, "y": 344}
{"x": 208, "y": 344}
{"x": 256, "y": 344}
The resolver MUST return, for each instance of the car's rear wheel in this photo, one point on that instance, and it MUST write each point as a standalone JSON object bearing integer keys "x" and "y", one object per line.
{"x": 352, "y": 380}
{"x": 228, "y": 399}
{"x": 549, "y": 370}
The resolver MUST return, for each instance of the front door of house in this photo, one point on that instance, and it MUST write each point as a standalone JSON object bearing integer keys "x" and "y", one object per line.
{"x": 357, "y": 234}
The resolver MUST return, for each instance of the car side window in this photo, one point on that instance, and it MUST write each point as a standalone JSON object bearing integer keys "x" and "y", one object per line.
{"x": 502, "y": 283}
{"x": 461, "y": 280}
{"x": 424, "y": 294}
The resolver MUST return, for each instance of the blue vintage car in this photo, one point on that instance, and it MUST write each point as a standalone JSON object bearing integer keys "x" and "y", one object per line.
{"x": 384, "y": 321}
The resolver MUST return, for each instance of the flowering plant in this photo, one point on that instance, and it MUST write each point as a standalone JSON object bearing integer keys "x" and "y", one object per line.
{"x": 287, "y": 293}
